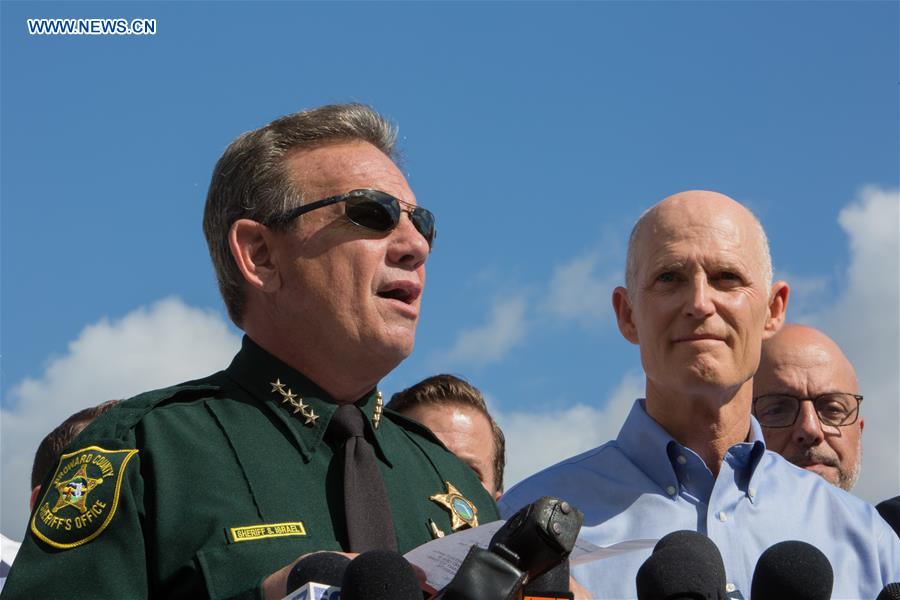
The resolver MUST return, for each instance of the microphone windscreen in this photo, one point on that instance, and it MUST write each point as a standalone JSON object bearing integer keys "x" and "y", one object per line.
{"x": 795, "y": 570}
{"x": 321, "y": 567}
{"x": 890, "y": 592}
{"x": 380, "y": 575}
{"x": 682, "y": 538}
{"x": 685, "y": 567}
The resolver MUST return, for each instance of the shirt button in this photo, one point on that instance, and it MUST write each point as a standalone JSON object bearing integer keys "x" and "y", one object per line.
{"x": 751, "y": 492}
{"x": 730, "y": 587}
{"x": 681, "y": 460}
{"x": 722, "y": 517}
{"x": 670, "y": 490}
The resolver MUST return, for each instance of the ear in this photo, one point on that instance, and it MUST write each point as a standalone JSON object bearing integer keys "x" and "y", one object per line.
{"x": 497, "y": 495}
{"x": 862, "y": 425}
{"x": 251, "y": 245}
{"x": 35, "y": 491}
{"x": 777, "y": 310}
{"x": 624, "y": 314}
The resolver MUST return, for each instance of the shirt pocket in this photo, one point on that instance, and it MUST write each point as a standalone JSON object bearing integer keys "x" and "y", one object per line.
{"x": 237, "y": 568}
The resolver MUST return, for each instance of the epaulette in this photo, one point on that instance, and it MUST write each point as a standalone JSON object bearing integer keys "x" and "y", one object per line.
{"x": 414, "y": 426}
{"x": 115, "y": 422}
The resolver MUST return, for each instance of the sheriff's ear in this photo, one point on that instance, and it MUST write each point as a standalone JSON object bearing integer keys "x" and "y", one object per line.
{"x": 251, "y": 246}
{"x": 777, "y": 310}
{"x": 624, "y": 314}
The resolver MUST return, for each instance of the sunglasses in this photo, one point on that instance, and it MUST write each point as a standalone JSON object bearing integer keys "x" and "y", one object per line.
{"x": 373, "y": 210}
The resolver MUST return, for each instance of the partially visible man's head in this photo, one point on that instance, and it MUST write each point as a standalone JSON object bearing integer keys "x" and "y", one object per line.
{"x": 457, "y": 414}
{"x": 803, "y": 363}
{"x": 347, "y": 284}
{"x": 51, "y": 447}
{"x": 699, "y": 298}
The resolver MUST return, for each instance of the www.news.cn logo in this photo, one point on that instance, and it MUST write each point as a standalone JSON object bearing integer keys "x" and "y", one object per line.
{"x": 92, "y": 26}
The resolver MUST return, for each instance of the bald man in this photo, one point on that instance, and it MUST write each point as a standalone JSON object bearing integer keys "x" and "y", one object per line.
{"x": 698, "y": 301}
{"x": 806, "y": 397}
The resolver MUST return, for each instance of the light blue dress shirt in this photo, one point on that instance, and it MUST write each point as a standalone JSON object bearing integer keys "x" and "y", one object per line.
{"x": 644, "y": 484}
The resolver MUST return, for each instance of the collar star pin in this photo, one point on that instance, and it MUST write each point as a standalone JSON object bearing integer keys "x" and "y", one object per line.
{"x": 288, "y": 396}
{"x": 462, "y": 511}
{"x": 376, "y": 414}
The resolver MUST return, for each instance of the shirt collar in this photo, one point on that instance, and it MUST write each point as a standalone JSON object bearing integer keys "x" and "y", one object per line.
{"x": 647, "y": 444}
{"x": 296, "y": 400}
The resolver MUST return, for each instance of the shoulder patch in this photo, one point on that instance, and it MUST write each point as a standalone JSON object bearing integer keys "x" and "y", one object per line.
{"x": 81, "y": 497}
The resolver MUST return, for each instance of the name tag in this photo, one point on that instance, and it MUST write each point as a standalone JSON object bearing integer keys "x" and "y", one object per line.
{"x": 272, "y": 530}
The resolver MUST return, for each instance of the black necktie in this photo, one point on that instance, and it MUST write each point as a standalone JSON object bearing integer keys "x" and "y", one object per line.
{"x": 366, "y": 508}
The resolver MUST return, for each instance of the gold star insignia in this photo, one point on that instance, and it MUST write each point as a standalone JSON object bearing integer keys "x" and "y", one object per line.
{"x": 74, "y": 492}
{"x": 462, "y": 512}
{"x": 289, "y": 397}
{"x": 376, "y": 414}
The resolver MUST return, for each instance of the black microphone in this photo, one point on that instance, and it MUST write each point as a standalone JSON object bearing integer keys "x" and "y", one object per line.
{"x": 380, "y": 575}
{"x": 552, "y": 584}
{"x": 890, "y": 592}
{"x": 322, "y": 567}
{"x": 684, "y": 565}
{"x": 533, "y": 541}
{"x": 794, "y": 570}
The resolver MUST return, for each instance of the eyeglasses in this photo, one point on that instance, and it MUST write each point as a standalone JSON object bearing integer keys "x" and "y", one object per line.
{"x": 373, "y": 210}
{"x": 781, "y": 410}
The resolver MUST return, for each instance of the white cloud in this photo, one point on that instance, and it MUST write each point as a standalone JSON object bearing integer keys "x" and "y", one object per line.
{"x": 491, "y": 342}
{"x": 537, "y": 440}
{"x": 148, "y": 348}
{"x": 577, "y": 292}
{"x": 864, "y": 321}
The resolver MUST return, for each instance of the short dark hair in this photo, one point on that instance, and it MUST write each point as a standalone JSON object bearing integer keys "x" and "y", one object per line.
{"x": 250, "y": 180}
{"x": 441, "y": 390}
{"x": 55, "y": 442}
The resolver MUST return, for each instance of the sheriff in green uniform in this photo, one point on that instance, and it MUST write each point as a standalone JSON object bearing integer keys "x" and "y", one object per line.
{"x": 213, "y": 487}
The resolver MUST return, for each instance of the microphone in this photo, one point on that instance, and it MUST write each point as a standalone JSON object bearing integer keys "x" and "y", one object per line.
{"x": 322, "y": 567}
{"x": 534, "y": 540}
{"x": 552, "y": 585}
{"x": 684, "y": 565}
{"x": 380, "y": 575}
{"x": 890, "y": 592}
{"x": 794, "y": 570}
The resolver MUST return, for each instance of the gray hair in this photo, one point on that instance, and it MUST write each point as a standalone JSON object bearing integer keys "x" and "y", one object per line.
{"x": 631, "y": 257}
{"x": 250, "y": 180}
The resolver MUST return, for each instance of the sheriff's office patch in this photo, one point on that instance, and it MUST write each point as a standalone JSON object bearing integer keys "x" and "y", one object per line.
{"x": 81, "y": 498}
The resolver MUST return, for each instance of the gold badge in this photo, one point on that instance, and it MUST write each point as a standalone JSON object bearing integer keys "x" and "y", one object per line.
{"x": 308, "y": 414}
{"x": 462, "y": 512}
{"x": 82, "y": 497}
{"x": 436, "y": 532}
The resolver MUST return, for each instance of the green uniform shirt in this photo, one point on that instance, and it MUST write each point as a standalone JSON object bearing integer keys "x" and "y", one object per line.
{"x": 207, "y": 487}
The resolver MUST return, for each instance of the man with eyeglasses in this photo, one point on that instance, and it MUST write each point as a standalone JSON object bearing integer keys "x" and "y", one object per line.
{"x": 698, "y": 301}
{"x": 806, "y": 398}
{"x": 215, "y": 487}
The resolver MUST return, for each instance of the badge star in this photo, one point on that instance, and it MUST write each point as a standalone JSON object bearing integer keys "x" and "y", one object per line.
{"x": 462, "y": 512}
{"x": 277, "y": 386}
{"x": 74, "y": 492}
{"x": 311, "y": 417}
{"x": 289, "y": 396}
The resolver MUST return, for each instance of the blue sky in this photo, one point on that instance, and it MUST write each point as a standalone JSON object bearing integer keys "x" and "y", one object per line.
{"x": 536, "y": 132}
